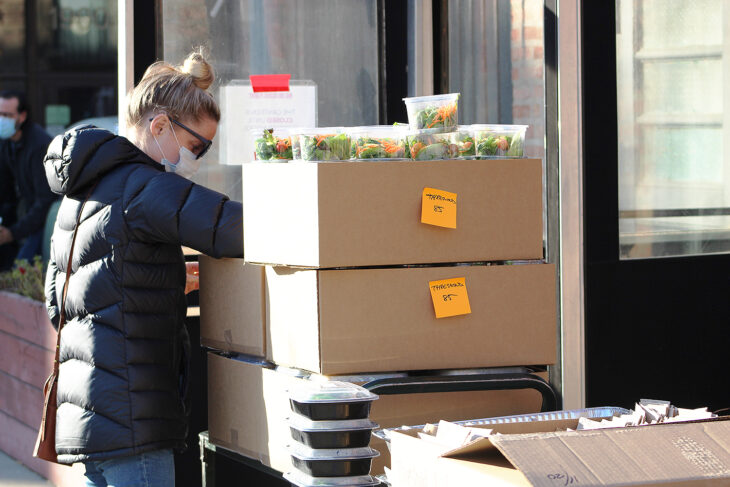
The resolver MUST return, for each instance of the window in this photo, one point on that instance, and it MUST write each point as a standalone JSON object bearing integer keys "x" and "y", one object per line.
{"x": 674, "y": 174}
{"x": 334, "y": 44}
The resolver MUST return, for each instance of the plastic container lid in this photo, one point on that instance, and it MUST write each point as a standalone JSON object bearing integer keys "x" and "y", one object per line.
{"x": 301, "y": 423}
{"x": 301, "y": 479}
{"x": 504, "y": 129}
{"x": 432, "y": 98}
{"x": 430, "y": 133}
{"x": 331, "y": 392}
{"x": 318, "y": 130}
{"x": 381, "y": 130}
{"x": 303, "y": 452}
{"x": 275, "y": 131}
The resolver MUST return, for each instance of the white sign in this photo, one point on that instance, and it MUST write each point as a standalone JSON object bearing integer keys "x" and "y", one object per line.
{"x": 242, "y": 111}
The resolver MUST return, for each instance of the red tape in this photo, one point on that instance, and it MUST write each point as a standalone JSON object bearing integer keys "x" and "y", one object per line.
{"x": 269, "y": 82}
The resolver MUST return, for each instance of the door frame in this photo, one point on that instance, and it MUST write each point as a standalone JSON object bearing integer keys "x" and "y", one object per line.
{"x": 572, "y": 259}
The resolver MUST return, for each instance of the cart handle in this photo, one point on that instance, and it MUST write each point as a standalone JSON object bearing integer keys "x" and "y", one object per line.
{"x": 460, "y": 383}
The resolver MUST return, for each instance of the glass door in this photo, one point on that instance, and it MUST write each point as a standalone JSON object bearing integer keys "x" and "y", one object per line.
{"x": 656, "y": 188}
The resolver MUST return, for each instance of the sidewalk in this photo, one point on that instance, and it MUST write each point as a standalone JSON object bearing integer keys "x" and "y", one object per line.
{"x": 13, "y": 474}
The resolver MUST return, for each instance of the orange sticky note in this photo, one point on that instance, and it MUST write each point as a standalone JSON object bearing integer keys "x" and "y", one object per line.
{"x": 450, "y": 297}
{"x": 438, "y": 208}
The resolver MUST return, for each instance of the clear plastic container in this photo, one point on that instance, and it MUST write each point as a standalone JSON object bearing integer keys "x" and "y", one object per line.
{"x": 324, "y": 144}
{"x": 322, "y": 401}
{"x": 499, "y": 141}
{"x": 332, "y": 462}
{"x": 431, "y": 146}
{"x": 350, "y": 433}
{"x": 378, "y": 143}
{"x": 438, "y": 113}
{"x": 296, "y": 148}
{"x": 463, "y": 139}
{"x": 272, "y": 144}
{"x": 301, "y": 479}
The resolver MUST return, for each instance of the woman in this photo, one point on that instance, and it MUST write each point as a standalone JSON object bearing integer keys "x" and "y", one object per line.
{"x": 122, "y": 387}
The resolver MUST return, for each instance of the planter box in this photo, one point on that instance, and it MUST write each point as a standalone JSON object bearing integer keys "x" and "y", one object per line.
{"x": 27, "y": 341}
{"x": 354, "y": 214}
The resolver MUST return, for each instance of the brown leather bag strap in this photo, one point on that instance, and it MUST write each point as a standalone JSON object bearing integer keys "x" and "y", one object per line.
{"x": 62, "y": 317}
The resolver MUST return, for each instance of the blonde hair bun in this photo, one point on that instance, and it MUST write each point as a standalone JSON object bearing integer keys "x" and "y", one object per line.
{"x": 196, "y": 66}
{"x": 180, "y": 91}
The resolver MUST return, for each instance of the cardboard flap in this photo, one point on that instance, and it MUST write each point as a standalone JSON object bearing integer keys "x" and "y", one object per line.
{"x": 476, "y": 447}
{"x": 625, "y": 456}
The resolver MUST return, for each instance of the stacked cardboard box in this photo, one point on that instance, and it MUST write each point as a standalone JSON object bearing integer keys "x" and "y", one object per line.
{"x": 342, "y": 276}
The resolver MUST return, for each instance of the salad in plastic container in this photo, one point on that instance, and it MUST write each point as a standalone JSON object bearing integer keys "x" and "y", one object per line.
{"x": 463, "y": 139}
{"x": 431, "y": 147}
{"x": 272, "y": 145}
{"x": 439, "y": 113}
{"x": 499, "y": 141}
{"x": 324, "y": 144}
{"x": 379, "y": 143}
{"x": 296, "y": 149}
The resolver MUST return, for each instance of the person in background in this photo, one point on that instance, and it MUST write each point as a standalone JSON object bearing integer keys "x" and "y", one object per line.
{"x": 23, "y": 185}
{"x": 123, "y": 402}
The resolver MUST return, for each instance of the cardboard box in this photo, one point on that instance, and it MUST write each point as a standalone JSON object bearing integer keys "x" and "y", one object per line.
{"x": 539, "y": 455}
{"x": 349, "y": 214}
{"x": 248, "y": 406}
{"x": 232, "y": 306}
{"x": 370, "y": 320}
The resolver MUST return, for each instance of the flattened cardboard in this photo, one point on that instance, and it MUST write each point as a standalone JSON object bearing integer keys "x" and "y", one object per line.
{"x": 350, "y": 214}
{"x": 370, "y": 320}
{"x": 232, "y": 306}
{"x": 678, "y": 454}
{"x": 248, "y": 406}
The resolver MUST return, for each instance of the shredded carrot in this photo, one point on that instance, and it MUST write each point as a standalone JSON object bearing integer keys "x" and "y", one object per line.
{"x": 390, "y": 146}
{"x": 365, "y": 147}
{"x": 320, "y": 138}
{"x": 442, "y": 113}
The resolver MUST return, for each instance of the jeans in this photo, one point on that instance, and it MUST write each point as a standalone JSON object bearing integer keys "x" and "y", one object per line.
{"x": 32, "y": 246}
{"x": 150, "y": 469}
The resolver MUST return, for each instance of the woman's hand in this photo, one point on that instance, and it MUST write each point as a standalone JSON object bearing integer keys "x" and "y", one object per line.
{"x": 192, "y": 282}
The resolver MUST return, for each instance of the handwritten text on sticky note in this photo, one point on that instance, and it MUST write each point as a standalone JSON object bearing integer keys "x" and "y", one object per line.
{"x": 438, "y": 208}
{"x": 450, "y": 297}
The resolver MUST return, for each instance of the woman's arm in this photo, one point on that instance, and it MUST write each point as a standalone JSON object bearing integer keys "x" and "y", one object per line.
{"x": 172, "y": 209}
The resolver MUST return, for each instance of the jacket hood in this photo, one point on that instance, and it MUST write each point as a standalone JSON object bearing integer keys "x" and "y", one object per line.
{"x": 84, "y": 154}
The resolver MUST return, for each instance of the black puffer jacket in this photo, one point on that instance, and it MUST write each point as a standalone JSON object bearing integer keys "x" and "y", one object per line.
{"x": 123, "y": 355}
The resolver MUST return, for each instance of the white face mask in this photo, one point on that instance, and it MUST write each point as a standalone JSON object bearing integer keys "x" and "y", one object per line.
{"x": 187, "y": 164}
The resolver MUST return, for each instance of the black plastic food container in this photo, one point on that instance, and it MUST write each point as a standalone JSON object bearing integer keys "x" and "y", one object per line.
{"x": 300, "y": 479}
{"x": 332, "y": 462}
{"x": 329, "y": 401}
{"x": 354, "y": 433}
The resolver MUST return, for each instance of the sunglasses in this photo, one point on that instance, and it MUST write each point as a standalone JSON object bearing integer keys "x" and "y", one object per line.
{"x": 206, "y": 142}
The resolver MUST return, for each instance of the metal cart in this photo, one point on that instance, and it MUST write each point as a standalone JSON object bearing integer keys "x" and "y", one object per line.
{"x": 224, "y": 467}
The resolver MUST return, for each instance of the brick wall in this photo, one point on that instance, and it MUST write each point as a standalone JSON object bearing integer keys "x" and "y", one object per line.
{"x": 527, "y": 45}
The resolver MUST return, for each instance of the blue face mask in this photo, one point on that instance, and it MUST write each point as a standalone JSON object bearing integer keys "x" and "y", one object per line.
{"x": 7, "y": 127}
